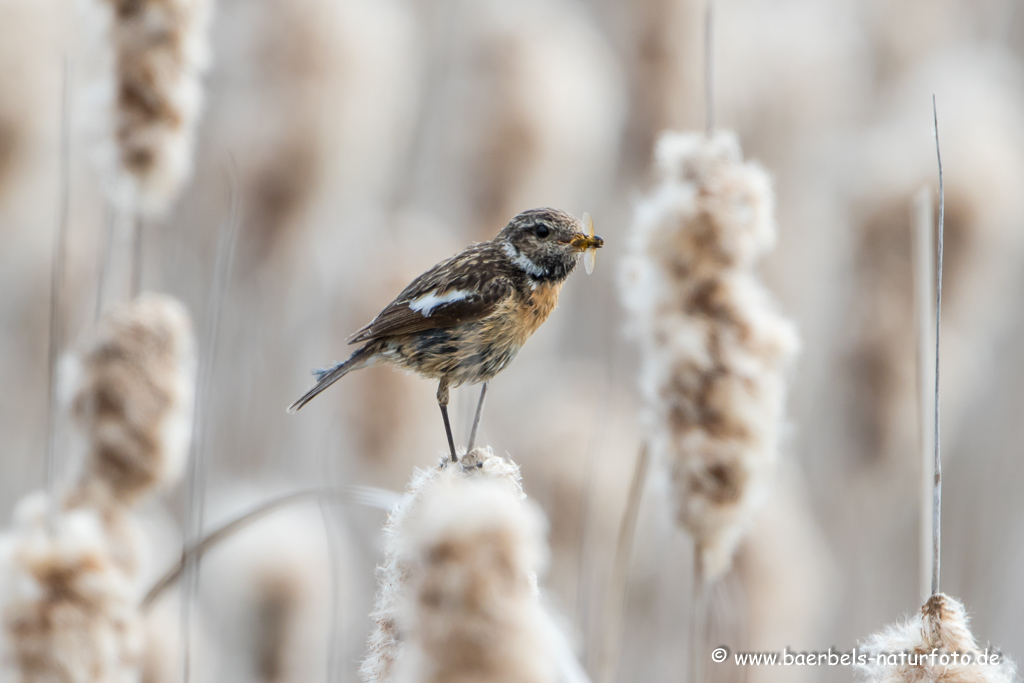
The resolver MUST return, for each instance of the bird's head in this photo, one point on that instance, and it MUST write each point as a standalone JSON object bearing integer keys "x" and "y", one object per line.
{"x": 546, "y": 243}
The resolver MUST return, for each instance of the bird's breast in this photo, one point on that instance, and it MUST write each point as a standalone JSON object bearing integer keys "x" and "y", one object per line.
{"x": 537, "y": 307}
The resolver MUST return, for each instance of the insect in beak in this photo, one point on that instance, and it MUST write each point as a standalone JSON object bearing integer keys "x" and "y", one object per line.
{"x": 588, "y": 243}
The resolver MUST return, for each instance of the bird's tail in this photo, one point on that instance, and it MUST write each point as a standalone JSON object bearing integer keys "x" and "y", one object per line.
{"x": 325, "y": 377}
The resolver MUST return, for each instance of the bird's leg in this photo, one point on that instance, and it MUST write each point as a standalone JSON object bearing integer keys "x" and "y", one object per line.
{"x": 476, "y": 418}
{"x": 442, "y": 401}
{"x": 448, "y": 430}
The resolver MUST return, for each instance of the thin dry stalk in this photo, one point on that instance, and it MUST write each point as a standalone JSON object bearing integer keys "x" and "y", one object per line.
{"x": 938, "y": 640}
{"x": 57, "y": 280}
{"x": 476, "y": 418}
{"x": 698, "y": 620}
{"x": 363, "y": 495}
{"x": 195, "y": 485}
{"x": 335, "y": 630}
{"x": 135, "y": 286}
{"x": 709, "y": 67}
{"x": 924, "y": 279}
{"x": 982, "y": 256}
{"x": 937, "y": 504}
{"x": 618, "y": 589}
{"x": 103, "y": 258}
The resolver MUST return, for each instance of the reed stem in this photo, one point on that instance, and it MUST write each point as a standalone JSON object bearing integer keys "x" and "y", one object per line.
{"x": 195, "y": 498}
{"x": 924, "y": 284}
{"x": 937, "y": 487}
{"x": 60, "y": 242}
{"x": 620, "y": 570}
{"x": 709, "y": 49}
{"x": 363, "y": 495}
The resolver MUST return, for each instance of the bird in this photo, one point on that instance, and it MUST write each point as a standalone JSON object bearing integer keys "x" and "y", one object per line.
{"x": 465, "y": 319}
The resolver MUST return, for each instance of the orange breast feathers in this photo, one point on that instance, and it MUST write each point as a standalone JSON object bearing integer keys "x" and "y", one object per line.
{"x": 538, "y": 307}
{"x": 519, "y": 317}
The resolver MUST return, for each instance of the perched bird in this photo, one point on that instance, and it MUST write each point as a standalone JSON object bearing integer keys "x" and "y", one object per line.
{"x": 465, "y": 319}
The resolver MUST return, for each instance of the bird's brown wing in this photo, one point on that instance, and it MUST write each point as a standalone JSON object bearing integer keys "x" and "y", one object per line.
{"x": 462, "y": 289}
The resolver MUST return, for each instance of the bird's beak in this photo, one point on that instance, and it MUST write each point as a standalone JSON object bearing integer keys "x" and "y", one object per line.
{"x": 583, "y": 242}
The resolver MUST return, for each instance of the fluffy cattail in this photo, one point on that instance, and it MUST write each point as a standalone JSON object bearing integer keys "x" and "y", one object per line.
{"x": 67, "y": 601}
{"x": 938, "y": 648}
{"x": 394, "y": 575}
{"x": 714, "y": 349}
{"x": 474, "y": 613}
{"x": 69, "y": 568}
{"x": 160, "y": 52}
{"x": 131, "y": 396}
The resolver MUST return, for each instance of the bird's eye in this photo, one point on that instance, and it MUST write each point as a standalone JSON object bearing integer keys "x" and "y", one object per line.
{"x": 542, "y": 231}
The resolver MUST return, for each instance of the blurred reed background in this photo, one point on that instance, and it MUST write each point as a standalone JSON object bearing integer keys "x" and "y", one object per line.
{"x": 365, "y": 140}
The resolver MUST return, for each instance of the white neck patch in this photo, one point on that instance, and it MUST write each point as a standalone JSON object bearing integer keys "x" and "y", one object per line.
{"x": 520, "y": 259}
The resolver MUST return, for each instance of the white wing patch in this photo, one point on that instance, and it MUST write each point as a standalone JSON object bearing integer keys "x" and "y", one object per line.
{"x": 522, "y": 261}
{"x": 431, "y": 300}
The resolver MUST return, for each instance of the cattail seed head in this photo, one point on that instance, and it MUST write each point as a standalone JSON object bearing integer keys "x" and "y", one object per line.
{"x": 395, "y": 573}
{"x": 714, "y": 350}
{"x": 67, "y": 605}
{"x": 160, "y": 52}
{"x": 930, "y": 638}
{"x": 132, "y": 392}
{"x": 473, "y": 608}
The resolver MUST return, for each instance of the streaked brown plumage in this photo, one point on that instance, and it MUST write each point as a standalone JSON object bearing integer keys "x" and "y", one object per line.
{"x": 465, "y": 319}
